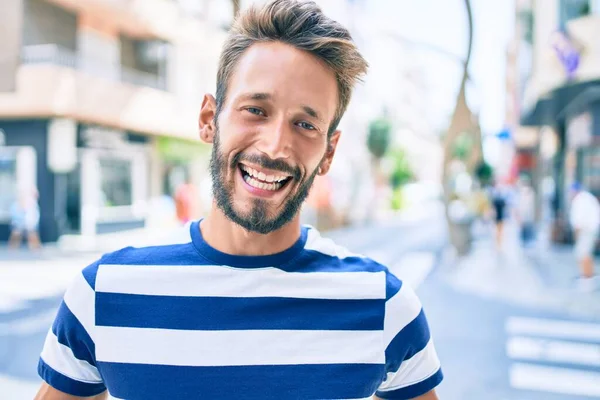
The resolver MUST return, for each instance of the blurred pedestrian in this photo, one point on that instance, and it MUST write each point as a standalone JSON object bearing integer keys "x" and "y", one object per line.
{"x": 499, "y": 200}
{"x": 186, "y": 198}
{"x": 525, "y": 211}
{"x": 585, "y": 221}
{"x": 25, "y": 218}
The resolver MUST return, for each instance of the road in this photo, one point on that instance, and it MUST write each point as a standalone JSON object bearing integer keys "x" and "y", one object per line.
{"x": 491, "y": 345}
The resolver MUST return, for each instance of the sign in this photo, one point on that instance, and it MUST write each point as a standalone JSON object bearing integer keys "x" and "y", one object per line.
{"x": 104, "y": 138}
{"x": 62, "y": 145}
{"x": 566, "y": 52}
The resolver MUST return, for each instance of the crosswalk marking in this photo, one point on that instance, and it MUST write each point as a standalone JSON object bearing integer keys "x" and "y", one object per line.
{"x": 556, "y": 380}
{"x": 582, "y": 331}
{"x": 556, "y": 351}
{"x": 536, "y": 345}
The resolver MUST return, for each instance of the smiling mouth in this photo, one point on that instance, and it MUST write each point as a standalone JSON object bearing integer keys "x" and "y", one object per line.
{"x": 260, "y": 180}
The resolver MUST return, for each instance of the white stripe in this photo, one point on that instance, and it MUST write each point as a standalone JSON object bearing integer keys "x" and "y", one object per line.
{"x": 414, "y": 370}
{"x": 553, "y": 351}
{"x": 222, "y": 281}
{"x": 553, "y": 328}
{"x": 327, "y": 246}
{"x": 400, "y": 311}
{"x": 250, "y": 347}
{"x": 61, "y": 359}
{"x": 555, "y": 380}
{"x": 81, "y": 300}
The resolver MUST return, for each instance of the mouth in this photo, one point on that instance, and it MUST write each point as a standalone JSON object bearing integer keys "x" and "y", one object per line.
{"x": 268, "y": 181}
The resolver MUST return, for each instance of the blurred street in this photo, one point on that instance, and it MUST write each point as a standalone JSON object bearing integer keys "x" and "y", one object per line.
{"x": 469, "y": 164}
{"x": 507, "y": 326}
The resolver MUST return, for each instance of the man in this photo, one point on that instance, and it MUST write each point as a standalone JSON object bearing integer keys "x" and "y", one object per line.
{"x": 585, "y": 221}
{"x": 252, "y": 305}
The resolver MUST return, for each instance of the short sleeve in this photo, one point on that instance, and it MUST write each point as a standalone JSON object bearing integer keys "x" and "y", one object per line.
{"x": 67, "y": 362}
{"x": 411, "y": 363}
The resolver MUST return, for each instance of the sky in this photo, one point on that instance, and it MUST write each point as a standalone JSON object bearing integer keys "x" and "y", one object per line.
{"x": 443, "y": 24}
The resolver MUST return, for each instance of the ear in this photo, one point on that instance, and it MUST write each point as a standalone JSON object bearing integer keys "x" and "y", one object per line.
{"x": 206, "y": 119}
{"x": 331, "y": 146}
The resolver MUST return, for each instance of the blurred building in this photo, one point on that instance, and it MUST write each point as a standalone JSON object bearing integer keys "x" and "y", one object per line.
{"x": 559, "y": 92}
{"x": 98, "y": 106}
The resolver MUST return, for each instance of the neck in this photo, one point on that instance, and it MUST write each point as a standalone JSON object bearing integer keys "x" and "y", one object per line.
{"x": 228, "y": 237}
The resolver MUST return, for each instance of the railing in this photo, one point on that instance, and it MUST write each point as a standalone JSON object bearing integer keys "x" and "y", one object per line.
{"x": 57, "y": 55}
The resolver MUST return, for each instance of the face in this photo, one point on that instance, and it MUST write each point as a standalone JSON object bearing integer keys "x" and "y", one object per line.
{"x": 270, "y": 138}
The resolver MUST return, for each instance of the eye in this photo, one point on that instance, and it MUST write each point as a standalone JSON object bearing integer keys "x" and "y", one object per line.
{"x": 306, "y": 125}
{"x": 255, "y": 111}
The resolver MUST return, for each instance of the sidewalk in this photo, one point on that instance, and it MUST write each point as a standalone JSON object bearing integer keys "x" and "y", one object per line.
{"x": 543, "y": 276}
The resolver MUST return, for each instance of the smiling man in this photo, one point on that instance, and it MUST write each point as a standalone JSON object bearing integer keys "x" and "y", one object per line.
{"x": 252, "y": 305}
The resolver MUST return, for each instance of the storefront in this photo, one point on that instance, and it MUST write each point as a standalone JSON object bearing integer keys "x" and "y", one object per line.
{"x": 106, "y": 189}
{"x": 573, "y": 111}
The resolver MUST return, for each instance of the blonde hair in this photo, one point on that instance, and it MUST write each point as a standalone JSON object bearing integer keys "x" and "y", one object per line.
{"x": 303, "y": 25}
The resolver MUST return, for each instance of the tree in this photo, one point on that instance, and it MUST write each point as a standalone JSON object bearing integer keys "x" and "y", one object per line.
{"x": 462, "y": 121}
{"x": 379, "y": 138}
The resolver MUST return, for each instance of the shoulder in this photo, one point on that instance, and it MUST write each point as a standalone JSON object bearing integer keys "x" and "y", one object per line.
{"x": 325, "y": 255}
{"x": 329, "y": 256}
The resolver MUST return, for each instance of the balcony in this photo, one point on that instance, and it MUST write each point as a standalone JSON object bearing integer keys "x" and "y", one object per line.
{"x": 55, "y": 82}
{"x": 55, "y": 55}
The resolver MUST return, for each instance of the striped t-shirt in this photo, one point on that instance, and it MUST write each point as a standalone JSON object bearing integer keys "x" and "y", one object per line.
{"x": 186, "y": 321}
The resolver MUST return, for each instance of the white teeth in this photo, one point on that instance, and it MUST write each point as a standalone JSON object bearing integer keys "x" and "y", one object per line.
{"x": 262, "y": 185}
{"x": 262, "y": 176}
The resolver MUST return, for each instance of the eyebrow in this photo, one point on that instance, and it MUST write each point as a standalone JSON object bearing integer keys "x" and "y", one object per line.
{"x": 311, "y": 111}
{"x": 256, "y": 96}
{"x": 267, "y": 96}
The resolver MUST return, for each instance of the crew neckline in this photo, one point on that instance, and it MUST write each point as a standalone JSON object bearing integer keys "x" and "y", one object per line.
{"x": 221, "y": 258}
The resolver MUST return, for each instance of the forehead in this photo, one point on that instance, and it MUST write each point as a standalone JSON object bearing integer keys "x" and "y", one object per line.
{"x": 290, "y": 75}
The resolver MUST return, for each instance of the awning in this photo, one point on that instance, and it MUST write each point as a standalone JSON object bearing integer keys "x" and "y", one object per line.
{"x": 570, "y": 99}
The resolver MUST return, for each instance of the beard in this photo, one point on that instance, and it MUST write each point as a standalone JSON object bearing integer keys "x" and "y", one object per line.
{"x": 258, "y": 218}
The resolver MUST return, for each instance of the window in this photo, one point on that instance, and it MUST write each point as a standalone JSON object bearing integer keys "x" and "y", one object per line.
{"x": 116, "y": 185}
{"x": 8, "y": 182}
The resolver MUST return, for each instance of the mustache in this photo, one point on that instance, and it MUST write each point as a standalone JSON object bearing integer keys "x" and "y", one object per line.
{"x": 267, "y": 163}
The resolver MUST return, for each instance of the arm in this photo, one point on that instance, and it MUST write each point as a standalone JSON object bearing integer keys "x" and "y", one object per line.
{"x": 427, "y": 396}
{"x": 411, "y": 363}
{"x": 67, "y": 363}
{"x": 47, "y": 392}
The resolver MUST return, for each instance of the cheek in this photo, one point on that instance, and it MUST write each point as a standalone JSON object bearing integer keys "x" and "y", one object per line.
{"x": 310, "y": 156}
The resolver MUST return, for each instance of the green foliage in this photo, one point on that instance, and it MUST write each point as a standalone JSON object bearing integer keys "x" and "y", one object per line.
{"x": 402, "y": 172}
{"x": 484, "y": 173}
{"x": 397, "y": 199}
{"x": 379, "y": 138}
{"x": 463, "y": 146}
{"x": 180, "y": 150}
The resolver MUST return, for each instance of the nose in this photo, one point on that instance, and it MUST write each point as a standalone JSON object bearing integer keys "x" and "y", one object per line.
{"x": 276, "y": 139}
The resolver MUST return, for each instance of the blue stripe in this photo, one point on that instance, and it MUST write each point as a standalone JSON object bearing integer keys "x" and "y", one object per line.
{"x": 416, "y": 390}
{"x": 72, "y": 334}
{"x": 409, "y": 341}
{"x": 90, "y": 272}
{"x": 327, "y": 381}
{"x": 67, "y": 385}
{"x": 173, "y": 254}
{"x": 230, "y": 313}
